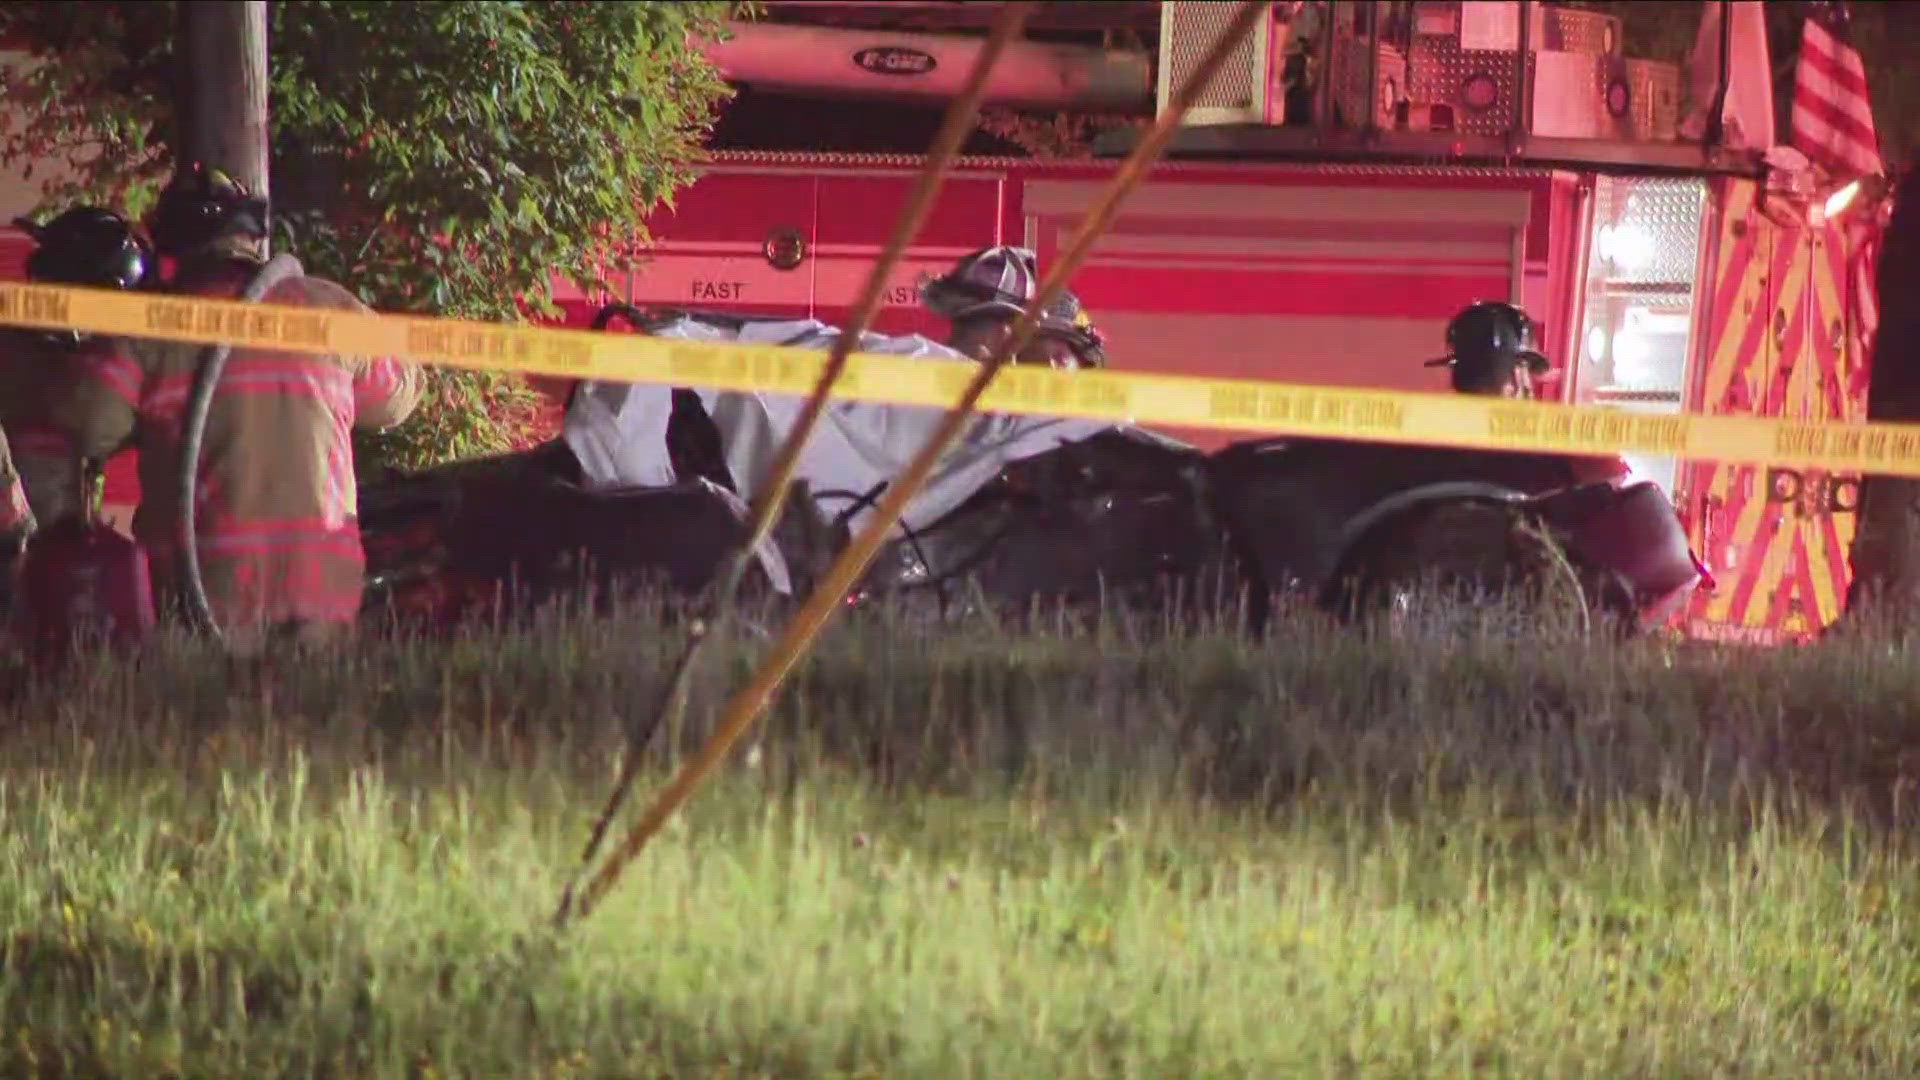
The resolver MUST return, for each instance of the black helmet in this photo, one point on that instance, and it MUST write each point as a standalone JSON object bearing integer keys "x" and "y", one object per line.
{"x": 88, "y": 246}
{"x": 1486, "y": 340}
{"x": 203, "y": 207}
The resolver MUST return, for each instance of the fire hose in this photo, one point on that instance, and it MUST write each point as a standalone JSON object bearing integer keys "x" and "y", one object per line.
{"x": 206, "y": 377}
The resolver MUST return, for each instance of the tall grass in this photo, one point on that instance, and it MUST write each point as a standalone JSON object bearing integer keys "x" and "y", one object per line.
{"x": 982, "y": 851}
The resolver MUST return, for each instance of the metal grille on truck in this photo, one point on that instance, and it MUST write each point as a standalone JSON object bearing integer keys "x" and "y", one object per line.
{"x": 1194, "y": 28}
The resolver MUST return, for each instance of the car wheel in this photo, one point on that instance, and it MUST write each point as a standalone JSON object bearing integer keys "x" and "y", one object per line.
{"x": 1467, "y": 564}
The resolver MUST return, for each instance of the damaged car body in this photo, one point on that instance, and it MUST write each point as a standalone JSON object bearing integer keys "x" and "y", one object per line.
{"x": 646, "y": 485}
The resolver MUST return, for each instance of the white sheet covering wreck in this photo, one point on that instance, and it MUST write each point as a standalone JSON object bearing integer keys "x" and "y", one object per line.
{"x": 618, "y": 430}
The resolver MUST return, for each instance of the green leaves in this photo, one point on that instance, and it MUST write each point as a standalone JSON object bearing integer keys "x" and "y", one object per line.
{"x": 448, "y": 156}
{"x": 481, "y": 119}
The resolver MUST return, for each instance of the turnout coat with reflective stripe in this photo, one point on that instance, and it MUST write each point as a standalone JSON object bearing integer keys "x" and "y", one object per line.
{"x": 43, "y": 452}
{"x": 278, "y": 534}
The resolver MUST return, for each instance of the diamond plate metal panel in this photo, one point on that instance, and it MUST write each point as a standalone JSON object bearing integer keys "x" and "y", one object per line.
{"x": 1636, "y": 335}
{"x": 1654, "y": 107}
{"x": 1572, "y": 30}
{"x": 1480, "y": 84}
{"x": 1573, "y": 59}
{"x": 1569, "y": 95}
{"x": 1551, "y": 28}
{"x": 1661, "y": 215}
{"x": 1350, "y": 77}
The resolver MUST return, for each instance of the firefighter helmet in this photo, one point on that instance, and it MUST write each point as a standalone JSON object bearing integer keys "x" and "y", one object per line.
{"x": 997, "y": 280}
{"x": 205, "y": 208}
{"x": 1485, "y": 338}
{"x": 1067, "y": 321}
{"x": 88, "y": 246}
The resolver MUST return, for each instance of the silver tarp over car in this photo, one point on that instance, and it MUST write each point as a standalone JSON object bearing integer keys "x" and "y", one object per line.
{"x": 618, "y": 430}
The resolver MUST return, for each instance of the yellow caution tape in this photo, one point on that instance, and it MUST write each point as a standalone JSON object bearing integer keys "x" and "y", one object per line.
{"x": 1430, "y": 419}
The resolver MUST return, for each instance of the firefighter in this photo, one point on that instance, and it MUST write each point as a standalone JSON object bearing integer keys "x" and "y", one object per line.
{"x": 982, "y": 296}
{"x": 1066, "y": 338}
{"x": 279, "y": 544}
{"x": 16, "y": 520}
{"x": 87, "y": 246}
{"x": 1490, "y": 351}
{"x": 1304, "y": 24}
{"x": 985, "y": 294}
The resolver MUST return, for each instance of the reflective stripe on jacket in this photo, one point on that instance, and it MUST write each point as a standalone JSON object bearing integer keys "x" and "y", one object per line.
{"x": 276, "y": 512}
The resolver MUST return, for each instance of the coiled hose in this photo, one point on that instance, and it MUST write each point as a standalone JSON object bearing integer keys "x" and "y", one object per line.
{"x": 213, "y": 360}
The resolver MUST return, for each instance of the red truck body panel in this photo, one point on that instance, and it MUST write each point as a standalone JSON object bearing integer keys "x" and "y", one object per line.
{"x": 1307, "y": 273}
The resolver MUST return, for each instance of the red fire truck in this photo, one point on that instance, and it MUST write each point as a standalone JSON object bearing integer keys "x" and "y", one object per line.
{"x": 1668, "y": 275}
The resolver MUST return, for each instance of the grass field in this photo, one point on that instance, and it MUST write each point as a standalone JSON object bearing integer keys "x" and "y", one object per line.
{"x": 983, "y": 852}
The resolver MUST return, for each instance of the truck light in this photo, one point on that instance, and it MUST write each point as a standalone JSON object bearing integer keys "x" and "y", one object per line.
{"x": 1635, "y": 361}
{"x": 1625, "y": 247}
{"x": 785, "y": 248}
{"x": 1632, "y": 358}
{"x": 1842, "y": 198}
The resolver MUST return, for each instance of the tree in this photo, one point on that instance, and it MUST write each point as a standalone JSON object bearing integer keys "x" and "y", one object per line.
{"x": 1886, "y": 545}
{"x": 1886, "y": 35}
{"x": 442, "y": 157}
{"x": 1059, "y": 136}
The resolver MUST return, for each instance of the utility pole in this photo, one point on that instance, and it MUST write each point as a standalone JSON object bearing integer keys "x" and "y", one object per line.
{"x": 222, "y": 113}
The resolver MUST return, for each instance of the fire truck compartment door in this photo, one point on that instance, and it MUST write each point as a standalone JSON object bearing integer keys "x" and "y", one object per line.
{"x": 735, "y": 241}
{"x": 1326, "y": 284}
{"x": 857, "y": 215}
{"x": 799, "y": 242}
